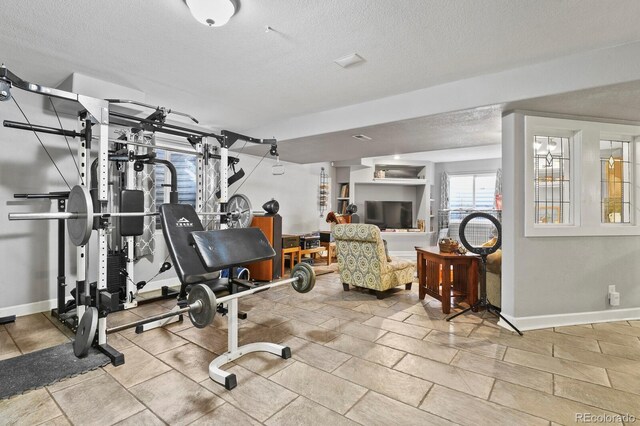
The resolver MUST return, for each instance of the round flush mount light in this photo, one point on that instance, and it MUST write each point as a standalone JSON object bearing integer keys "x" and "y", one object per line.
{"x": 213, "y": 13}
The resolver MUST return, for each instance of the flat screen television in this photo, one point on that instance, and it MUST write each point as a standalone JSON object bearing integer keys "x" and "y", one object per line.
{"x": 389, "y": 214}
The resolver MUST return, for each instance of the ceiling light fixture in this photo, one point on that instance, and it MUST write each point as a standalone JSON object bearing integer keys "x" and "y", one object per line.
{"x": 213, "y": 13}
{"x": 396, "y": 157}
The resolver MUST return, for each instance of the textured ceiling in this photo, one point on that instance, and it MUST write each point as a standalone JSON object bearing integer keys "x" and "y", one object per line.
{"x": 240, "y": 77}
{"x": 476, "y": 128}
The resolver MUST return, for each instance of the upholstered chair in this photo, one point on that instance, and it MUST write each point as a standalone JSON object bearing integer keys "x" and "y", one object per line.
{"x": 363, "y": 262}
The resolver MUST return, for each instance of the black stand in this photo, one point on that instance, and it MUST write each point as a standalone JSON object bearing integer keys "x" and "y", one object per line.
{"x": 483, "y": 302}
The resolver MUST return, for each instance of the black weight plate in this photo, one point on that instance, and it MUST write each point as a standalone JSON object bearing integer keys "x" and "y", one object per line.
{"x": 482, "y": 251}
{"x": 86, "y": 332}
{"x": 79, "y": 202}
{"x": 203, "y": 316}
{"x": 306, "y": 278}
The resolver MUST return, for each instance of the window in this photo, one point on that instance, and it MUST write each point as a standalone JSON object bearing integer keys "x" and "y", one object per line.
{"x": 579, "y": 177}
{"x": 472, "y": 192}
{"x": 186, "y": 169}
{"x": 615, "y": 185}
{"x": 552, "y": 179}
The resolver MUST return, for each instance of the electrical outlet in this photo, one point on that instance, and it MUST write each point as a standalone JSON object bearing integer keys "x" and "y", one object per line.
{"x": 612, "y": 289}
{"x": 614, "y": 298}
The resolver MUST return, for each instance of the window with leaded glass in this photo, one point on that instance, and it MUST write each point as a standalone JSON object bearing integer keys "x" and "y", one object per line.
{"x": 615, "y": 181}
{"x": 552, "y": 180}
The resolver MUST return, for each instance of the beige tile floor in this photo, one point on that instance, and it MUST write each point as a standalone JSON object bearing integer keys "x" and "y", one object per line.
{"x": 356, "y": 360}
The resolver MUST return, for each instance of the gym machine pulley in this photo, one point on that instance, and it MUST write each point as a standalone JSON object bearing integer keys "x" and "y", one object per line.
{"x": 80, "y": 215}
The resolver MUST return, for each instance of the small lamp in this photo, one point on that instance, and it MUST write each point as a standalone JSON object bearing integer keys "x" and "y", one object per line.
{"x": 214, "y": 13}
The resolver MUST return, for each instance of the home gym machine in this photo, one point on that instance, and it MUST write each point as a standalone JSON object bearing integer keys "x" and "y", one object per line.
{"x": 231, "y": 245}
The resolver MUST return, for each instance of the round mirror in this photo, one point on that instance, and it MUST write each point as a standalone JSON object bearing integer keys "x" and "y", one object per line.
{"x": 481, "y": 233}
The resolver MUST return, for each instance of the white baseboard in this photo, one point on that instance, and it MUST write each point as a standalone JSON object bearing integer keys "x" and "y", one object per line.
{"x": 559, "y": 320}
{"x": 47, "y": 305}
{"x": 29, "y": 308}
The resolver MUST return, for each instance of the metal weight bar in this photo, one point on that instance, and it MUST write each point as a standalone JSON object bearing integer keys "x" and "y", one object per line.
{"x": 201, "y": 309}
{"x": 80, "y": 214}
{"x": 203, "y": 302}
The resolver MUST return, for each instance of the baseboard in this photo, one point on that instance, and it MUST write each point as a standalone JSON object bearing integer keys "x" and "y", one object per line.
{"x": 29, "y": 308}
{"x": 559, "y": 320}
{"x": 47, "y": 305}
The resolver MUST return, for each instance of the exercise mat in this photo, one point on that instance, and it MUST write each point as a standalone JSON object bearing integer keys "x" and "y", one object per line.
{"x": 45, "y": 367}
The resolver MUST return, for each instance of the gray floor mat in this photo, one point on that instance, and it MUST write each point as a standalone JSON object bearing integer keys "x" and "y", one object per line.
{"x": 44, "y": 367}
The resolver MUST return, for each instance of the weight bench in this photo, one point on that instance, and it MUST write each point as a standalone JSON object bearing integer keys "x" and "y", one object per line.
{"x": 199, "y": 255}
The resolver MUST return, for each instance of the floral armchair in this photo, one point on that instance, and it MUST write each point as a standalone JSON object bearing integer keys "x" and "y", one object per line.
{"x": 363, "y": 262}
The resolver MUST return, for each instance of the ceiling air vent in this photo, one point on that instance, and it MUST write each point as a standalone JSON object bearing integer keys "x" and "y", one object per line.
{"x": 347, "y": 61}
{"x": 362, "y": 137}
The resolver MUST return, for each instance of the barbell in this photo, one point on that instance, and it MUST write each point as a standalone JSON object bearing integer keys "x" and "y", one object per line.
{"x": 80, "y": 215}
{"x": 202, "y": 306}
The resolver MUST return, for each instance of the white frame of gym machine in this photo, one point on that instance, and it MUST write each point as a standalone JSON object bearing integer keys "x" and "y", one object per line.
{"x": 98, "y": 111}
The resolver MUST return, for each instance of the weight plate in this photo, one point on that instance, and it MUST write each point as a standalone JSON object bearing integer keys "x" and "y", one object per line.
{"x": 79, "y": 202}
{"x": 86, "y": 332}
{"x": 241, "y": 214}
{"x": 202, "y": 316}
{"x": 482, "y": 251}
{"x": 306, "y": 278}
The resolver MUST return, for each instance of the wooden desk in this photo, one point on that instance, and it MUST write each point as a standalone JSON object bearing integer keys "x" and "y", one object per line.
{"x": 331, "y": 251}
{"x": 293, "y": 251}
{"x": 432, "y": 265}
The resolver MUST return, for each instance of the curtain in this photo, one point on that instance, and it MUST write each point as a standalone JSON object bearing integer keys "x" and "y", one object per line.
{"x": 210, "y": 186}
{"x": 498, "y": 193}
{"x": 145, "y": 181}
{"x": 444, "y": 191}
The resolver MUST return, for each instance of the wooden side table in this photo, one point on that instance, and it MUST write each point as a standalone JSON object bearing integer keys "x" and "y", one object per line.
{"x": 292, "y": 251}
{"x": 432, "y": 265}
{"x": 331, "y": 251}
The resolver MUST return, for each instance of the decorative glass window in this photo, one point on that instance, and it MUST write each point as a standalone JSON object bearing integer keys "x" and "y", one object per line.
{"x": 552, "y": 180}
{"x": 615, "y": 181}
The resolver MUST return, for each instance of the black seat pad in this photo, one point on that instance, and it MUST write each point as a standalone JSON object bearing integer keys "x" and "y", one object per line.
{"x": 226, "y": 248}
{"x": 178, "y": 221}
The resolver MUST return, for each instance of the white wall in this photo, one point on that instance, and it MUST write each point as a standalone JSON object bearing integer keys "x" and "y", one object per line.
{"x": 28, "y": 249}
{"x": 549, "y": 281}
{"x": 297, "y": 191}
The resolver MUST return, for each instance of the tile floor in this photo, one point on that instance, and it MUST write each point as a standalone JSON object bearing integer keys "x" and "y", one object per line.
{"x": 356, "y": 360}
